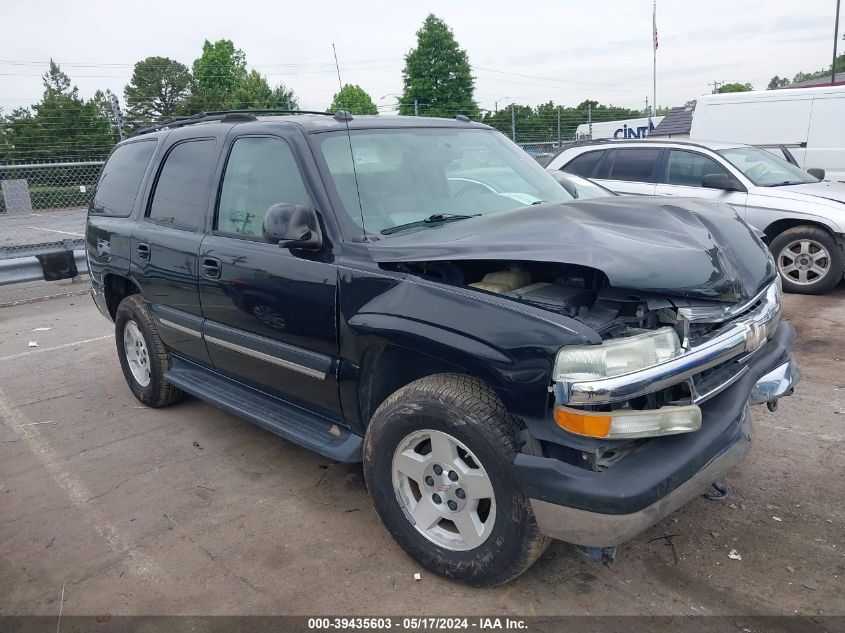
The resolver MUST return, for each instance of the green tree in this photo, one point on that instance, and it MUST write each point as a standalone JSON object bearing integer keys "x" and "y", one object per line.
{"x": 354, "y": 99}
{"x": 777, "y": 82}
{"x": 159, "y": 89}
{"x": 218, "y": 73}
{"x": 734, "y": 87}
{"x": 61, "y": 126}
{"x": 437, "y": 74}
{"x": 254, "y": 92}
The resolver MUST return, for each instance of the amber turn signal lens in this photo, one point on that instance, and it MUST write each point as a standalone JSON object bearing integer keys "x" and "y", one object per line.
{"x": 629, "y": 423}
{"x": 595, "y": 425}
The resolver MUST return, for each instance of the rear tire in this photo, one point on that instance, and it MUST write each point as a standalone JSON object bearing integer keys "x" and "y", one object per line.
{"x": 808, "y": 259}
{"x": 143, "y": 357}
{"x": 457, "y": 508}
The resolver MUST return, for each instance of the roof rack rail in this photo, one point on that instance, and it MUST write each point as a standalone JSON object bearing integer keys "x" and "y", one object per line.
{"x": 220, "y": 115}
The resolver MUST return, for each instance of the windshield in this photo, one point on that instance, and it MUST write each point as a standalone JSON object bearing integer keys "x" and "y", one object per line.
{"x": 432, "y": 175}
{"x": 765, "y": 169}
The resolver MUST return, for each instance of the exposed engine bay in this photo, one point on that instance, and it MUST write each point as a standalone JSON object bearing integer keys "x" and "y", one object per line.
{"x": 579, "y": 292}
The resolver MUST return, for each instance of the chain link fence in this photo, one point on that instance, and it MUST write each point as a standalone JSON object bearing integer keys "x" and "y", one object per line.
{"x": 40, "y": 186}
{"x": 48, "y": 247}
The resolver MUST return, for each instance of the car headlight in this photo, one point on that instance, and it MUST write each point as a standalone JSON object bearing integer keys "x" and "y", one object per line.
{"x": 616, "y": 357}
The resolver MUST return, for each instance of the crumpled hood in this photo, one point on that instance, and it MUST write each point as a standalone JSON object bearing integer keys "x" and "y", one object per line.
{"x": 682, "y": 247}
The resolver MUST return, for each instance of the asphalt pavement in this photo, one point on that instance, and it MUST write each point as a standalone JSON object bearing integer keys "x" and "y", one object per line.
{"x": 189, "y": 510}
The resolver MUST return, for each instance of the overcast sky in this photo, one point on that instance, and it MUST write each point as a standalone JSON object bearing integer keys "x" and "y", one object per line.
{"x": 528, "y": 52}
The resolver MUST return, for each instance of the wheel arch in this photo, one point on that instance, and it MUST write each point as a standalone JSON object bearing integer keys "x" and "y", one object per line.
{"x": 116, "y": 288}
{"x": 386, "y": 368}
{"x": 777, "y": 227}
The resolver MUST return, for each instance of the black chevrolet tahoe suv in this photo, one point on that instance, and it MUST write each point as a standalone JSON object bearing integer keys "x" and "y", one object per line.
{"x": 419, "y": 295}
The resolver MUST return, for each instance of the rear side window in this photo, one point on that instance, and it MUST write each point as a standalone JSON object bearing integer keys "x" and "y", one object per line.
{"x": 584, "y": 164}
{"x": 181, "y": 192}
{"x": 260, "y": 172}
{"x": 121, "y": 179}
{"x": 689, "y": 168}
{"x": 632, "y": 165}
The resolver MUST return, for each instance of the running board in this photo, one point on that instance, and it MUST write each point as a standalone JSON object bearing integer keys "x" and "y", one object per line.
{"x": 277, "y": 416}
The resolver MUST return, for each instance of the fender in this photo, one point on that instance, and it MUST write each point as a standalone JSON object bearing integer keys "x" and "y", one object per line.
{"x": 509, "y": 345}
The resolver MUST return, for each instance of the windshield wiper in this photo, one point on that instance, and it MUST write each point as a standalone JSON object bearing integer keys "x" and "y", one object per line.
{"x": 787, "y": 182}
{"x": 434, "y": 218}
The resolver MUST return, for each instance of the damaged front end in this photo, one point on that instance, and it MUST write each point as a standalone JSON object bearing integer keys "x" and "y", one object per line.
{"x": 654, "y": 410}
{"x": 683, "y": 304}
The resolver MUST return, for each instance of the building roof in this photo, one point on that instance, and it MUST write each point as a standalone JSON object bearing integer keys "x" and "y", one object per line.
{"x": 819, "y": 81}
{"x": 678, "y": 121}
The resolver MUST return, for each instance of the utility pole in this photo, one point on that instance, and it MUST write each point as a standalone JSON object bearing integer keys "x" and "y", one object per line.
{"x": 118, "y": 117}
{"x": 835, "y": 36}
{"x": 558, "y": 126}
{"x": 590, "y": 119}
{"x": 513, "y": 122}
{"x": 416, "y": 108}
{"x": 716, "y": 85}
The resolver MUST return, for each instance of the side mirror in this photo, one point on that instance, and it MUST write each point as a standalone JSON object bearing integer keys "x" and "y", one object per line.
{"x": 815, "y": 171}
{"x": 292, "y": 226}
{"x": 720, "y": 181}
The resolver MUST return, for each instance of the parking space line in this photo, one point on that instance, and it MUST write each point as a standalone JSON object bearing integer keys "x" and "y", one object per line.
{"x": 52, "y": 349}
{"x": 139, "y": 563}
{"x": 38, "y": 228}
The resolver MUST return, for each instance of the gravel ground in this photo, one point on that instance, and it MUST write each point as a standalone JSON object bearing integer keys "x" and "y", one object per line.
{"x": 188, "y": 510}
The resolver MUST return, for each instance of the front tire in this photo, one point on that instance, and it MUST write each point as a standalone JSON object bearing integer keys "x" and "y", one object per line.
{"x": 809, "y": 261}
{"x": 143, "y": 356}
{"x": 438, "y": 462}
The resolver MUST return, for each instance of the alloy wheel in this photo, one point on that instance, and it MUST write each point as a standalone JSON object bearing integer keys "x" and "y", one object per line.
{"x": 444, "y": 490}
{"x": 137, "y": 355}
{"x": 804, "y": 262}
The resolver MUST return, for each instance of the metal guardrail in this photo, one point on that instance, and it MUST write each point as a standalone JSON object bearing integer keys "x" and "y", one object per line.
{"x": 35, "y": 262}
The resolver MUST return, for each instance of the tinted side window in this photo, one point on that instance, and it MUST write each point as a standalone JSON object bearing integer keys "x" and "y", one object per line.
{"x": 181, "y": 192}
{"x": 584, "y": 164}
{"x": 260, "y": 172}
{"x": 121, "y": 179}
{"x": 634, "y": 165}
{"x": 688, "y": 168}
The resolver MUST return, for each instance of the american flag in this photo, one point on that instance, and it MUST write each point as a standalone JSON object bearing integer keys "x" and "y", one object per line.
{"x": 654, "y": 25}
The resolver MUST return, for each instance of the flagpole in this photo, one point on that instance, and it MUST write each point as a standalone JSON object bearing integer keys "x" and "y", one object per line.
{"x": 654, "y": 68}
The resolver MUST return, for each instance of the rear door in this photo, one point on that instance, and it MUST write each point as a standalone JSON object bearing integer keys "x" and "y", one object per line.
{"x": 629, "y": 170}
{"x": 682, "y": 172}
{"x": 584, "y": 164}
{"x": 270, "y": 311}
{"x": 166, "y": 242}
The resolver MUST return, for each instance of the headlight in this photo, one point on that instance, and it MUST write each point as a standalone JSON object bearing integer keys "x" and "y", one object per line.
{"x": 616, "y": 357}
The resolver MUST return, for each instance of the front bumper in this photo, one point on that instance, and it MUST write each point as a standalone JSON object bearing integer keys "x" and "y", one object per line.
{"x": 609, "y": 507}
{"x": 595, "y": 529}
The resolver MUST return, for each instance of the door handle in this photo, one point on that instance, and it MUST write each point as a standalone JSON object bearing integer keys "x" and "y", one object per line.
{"x": 144, "y": 251}
{"x": 211, "y": 267}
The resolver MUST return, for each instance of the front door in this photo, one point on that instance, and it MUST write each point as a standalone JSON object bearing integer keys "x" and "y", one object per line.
{"x": 683, "y": 173}
{"x": 270, "y": 311}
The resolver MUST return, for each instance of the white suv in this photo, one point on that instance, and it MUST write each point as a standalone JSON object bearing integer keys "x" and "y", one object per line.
{"x": 802, "y": 216}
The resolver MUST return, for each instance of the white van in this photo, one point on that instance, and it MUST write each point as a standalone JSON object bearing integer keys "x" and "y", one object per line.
{"x": 625, "y": 128}
{"x": 809, "y": 122}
